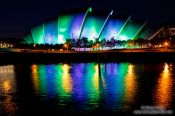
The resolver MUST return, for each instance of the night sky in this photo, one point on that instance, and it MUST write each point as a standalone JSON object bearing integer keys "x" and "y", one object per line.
{"x": 17, "y": 17}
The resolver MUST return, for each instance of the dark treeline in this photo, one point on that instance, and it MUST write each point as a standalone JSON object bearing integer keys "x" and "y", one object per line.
{"x": 86, "y": 43}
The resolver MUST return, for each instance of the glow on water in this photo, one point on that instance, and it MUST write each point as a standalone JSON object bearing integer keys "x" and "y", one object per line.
{"x": 42, "y": 81}
{"x": 66, "y": 79}
{"x": 62, "y": 81}
{"x": 7, "y": 87}
{"x": 84, "y": 83}
{"x": 34, "y": 68}
{"x": 90, "y": 87}
{"x": 92, "y": 83}
{"x": 122, "y": 85}
{"x": 163, "y": 95}
{"x": 130, "y": 86}
{"x": 116, "y": 84}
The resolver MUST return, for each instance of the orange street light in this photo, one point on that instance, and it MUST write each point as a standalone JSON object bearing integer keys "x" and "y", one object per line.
{"x": 130, "y": 44}
{"x": 66, "y": 46}
{"x": 97, "y": 45}
{"x": 166, "y": 44}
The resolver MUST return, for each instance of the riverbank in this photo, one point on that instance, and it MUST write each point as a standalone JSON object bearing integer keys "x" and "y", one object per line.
{"x": 23, "y": 57}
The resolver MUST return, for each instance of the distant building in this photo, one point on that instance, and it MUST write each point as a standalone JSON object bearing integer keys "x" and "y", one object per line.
{"x": 69, "y": 26}
{"x": 163, "y": 32}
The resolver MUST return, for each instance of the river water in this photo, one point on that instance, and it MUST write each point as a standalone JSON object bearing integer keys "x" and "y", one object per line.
{"x": 85, "y": 88}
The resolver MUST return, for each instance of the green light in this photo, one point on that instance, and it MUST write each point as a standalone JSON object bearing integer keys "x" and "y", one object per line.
{"x": 29, "y": 39}
{"x": 123, "y": 37}
{"x": 91, "y": 79}
{"x": 51, "y": 32}
{"x": 63, "y": 81}
{"x": 64, "y": 23}
{"x": 43, "y": 90}
{"x": 38, "y": 35}
{"x": 123, "y": 27}
{"x": 138, "y": 32}
{"x": 129, "y": 31}
{"x": 84, "y": 20}
{"x": 92, "y": 28}
{"x": 90, "y": 9}
{"x": 104, "y": 25}
{"x": 76, "y": 26}
{"x": 58, "y": 80}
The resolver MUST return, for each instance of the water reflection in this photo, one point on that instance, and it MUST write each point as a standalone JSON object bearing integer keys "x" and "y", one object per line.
{"x": 79, "y": 82}
{"x": 96, "y": 77}
{"x": 66, "y": 79}
{"x": 130, "y": 86}
{"x": 89, "y": 86}
{"x": 113, "y": 76}
{"x": 78, "y": 87}
{"x": 163, "y": 93}
{"x": 7, "y": 89}
{"x": 35, "y": 77}
{"x": 86, "y": 84}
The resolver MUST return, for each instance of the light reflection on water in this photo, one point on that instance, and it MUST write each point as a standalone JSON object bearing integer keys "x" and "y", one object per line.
{"x": 7, "y": 87}
{"x": 87, "y": 83}
{"x": 88, "y": 86}
{"x": 164, "y": 88}
{"x": 130, "y": 86}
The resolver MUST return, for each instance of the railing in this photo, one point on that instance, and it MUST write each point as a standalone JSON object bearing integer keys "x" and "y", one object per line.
{"x": 87, "y": 51}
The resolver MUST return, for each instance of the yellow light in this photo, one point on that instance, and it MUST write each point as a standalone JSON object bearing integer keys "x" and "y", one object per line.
{"x": 34, "y": 68}
{"x": 130, "y": 44}
{"x": 65, "y": 45}
{"x": 96, "y": 77}
{"x": 6, "y": 85}
{"x": 166, "y": 70}
{"x": 130, "y": 84}
{"x": 164, "y": 87}
{"x": 65, "y": 68}
{"x": 130, "y": 69}
{"x": 166, "y": 43}
{"x": 66, "y": 79}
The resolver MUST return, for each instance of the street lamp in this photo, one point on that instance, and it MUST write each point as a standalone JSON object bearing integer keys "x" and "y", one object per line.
{"x": 166, "y": 44}
{"x": 66, "y": 46}
{"x": 130, "y": 44}
{"x": 97, "y": 45}
{"x": 34, "y": 45}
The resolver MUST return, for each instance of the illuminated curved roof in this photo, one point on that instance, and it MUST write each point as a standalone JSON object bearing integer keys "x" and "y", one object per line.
{"x": 69, "y": 27}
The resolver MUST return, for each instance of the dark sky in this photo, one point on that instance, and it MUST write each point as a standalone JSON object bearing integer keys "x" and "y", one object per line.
{"x": 17, "y": 17}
